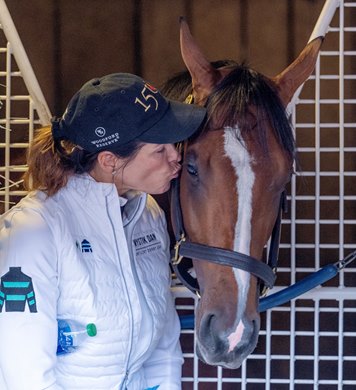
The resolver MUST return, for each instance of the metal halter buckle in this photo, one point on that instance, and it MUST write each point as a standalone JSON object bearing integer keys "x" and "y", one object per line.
{"x": 177, "y": 257}
{"x": 266, "y": 289}
{"x": 189, "y": 99}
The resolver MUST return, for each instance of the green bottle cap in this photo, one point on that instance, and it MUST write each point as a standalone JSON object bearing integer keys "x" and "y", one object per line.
{"x": 91, "y": 330}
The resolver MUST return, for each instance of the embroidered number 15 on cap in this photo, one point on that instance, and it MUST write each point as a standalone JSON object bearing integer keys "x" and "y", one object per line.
{"x": 147, "y": 97}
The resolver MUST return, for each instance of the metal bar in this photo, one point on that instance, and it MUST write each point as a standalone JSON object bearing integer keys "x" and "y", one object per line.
{"x": 317, "y": 164}
{"x": 341, "y": 138}
{"x": 320, "y": 30}
{"x": 7, "y": 127}
{"x": 340, "y": 345}
{"x": 324, "y": 293}
{"x": 316, "y": 346}
{"x": 24, "y": 64}
{"x": 325, "y": 17}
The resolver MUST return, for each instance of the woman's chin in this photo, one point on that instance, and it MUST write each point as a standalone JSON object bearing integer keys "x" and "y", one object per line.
{"x": 160, "y": 190}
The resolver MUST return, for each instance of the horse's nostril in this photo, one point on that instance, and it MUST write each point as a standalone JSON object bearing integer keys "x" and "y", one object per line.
{"x": 206, "y": 321}
{"x": 209, "y": 336}
{"x": 256, "y": 327}
{"x": 206, "y": 324}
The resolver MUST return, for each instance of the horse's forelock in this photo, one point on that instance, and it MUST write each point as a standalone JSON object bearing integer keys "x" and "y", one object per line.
{"x": 177, "y": 87}
{"x": 229, "y": 103}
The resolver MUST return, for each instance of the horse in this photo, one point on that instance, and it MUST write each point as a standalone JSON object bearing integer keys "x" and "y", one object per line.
{"x": 234, "y": 173}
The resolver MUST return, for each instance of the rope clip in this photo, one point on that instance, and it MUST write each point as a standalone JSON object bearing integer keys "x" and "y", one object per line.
{"x": 346, "y": 261}
{"x": 177, "y": 257}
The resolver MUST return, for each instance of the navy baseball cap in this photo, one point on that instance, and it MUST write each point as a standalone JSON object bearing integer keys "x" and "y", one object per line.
{"x": 118, "y": 108}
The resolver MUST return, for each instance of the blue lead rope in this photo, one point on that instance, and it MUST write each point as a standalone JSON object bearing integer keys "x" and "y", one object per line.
{"x": 295, "y": 290}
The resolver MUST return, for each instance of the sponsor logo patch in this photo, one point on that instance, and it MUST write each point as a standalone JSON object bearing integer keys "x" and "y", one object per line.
{"x": 146, "y": 243}
{"x": 85, "y": 246}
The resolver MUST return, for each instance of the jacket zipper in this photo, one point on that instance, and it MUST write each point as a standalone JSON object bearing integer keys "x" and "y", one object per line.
{"x": 138, "y": 284}
{"x": 123, "y": 384}
{"x": 130, "y": 229}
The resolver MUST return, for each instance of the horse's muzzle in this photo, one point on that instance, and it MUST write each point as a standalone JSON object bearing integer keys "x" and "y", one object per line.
{"x": 213, "y": 346}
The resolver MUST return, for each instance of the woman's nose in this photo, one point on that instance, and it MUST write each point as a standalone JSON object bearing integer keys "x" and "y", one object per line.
{"x": 174, "y": 154}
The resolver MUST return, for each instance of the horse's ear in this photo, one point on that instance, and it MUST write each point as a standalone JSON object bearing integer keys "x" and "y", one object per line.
{"x": 298, "y": 72}
{"x": 204, "y": 75}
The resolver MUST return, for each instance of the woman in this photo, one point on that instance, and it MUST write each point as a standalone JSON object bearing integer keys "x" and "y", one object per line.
{"x": 88, "y": 244}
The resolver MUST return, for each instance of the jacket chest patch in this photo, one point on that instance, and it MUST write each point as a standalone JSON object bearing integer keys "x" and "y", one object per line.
{"x": 146, "y": 243}
{"x": 84, "y": 246}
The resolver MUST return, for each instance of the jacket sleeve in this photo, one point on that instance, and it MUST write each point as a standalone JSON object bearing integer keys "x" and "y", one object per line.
{"x": 164, "y": 368}
{"x": 28, "y": 295}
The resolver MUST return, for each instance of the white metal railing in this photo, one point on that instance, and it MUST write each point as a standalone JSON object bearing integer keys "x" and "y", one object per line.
{"x": 16, "y": 48}
{"x": 17, "y": 122}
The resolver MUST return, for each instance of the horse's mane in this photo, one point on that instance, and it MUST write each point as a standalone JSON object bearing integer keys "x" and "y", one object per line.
{"x": 230, "y": 103}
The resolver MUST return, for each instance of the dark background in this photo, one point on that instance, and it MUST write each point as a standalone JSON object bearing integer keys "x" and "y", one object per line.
{"x": 71, "y": 41}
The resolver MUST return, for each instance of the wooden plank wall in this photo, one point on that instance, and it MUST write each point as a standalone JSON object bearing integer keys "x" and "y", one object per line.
{"x": 69, "y": 42}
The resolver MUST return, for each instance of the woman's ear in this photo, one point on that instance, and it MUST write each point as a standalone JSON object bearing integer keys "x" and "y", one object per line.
{"x": 107, "y": 161}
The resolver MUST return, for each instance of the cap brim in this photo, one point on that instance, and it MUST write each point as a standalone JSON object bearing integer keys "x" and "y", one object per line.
{"x": 179, "y": 122}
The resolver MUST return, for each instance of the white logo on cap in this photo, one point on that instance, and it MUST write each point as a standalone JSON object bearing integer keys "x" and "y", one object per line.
{"x": 100, "y": 131}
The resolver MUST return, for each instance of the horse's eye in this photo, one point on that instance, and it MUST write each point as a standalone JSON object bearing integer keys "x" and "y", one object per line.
{"x": 192, "y": 170}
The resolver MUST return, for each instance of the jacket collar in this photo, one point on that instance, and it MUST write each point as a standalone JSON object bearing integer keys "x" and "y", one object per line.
{"x": 136, "y": 202}
{"x": 86, "y": 186}
{"x": 132, "y": 203}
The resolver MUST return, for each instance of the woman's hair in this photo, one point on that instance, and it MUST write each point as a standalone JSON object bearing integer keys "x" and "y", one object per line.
{"x": 51, "y": 162}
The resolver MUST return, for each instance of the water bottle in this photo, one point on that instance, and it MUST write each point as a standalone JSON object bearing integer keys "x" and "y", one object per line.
{"x": 72, "y": 334}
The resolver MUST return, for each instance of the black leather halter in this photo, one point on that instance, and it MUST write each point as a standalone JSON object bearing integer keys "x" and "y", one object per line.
{"x": 185, "y": 250}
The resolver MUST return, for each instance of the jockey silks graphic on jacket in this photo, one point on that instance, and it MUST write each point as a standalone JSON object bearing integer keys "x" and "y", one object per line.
{"x": 15, "y": 290}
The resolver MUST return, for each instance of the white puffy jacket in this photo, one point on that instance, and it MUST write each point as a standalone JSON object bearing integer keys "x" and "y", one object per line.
{"x": 67, "y": 256}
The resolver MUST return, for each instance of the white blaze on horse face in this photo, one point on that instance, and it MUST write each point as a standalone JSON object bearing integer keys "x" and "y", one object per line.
{"x": 241, "y": 161}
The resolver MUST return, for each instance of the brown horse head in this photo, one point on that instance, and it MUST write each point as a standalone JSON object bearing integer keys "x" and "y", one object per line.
{"x": 232, "y": 179}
